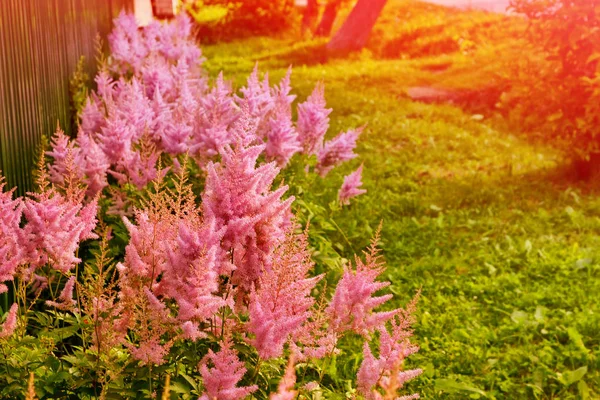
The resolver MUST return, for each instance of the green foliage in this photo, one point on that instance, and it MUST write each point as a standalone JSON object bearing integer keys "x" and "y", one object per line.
{"x": 500, "y": 239}
{"x": 222, "y": 20}
{"x": 564, "y": 52}
{"x": 78, "y": 88}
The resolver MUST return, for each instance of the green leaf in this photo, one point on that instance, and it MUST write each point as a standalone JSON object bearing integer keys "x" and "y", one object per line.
{"x": 570, "y": 377}
{"x": 451, "y": 386}
{"x": 577, "y": 339}
{"x": 584, "y": 390}
{"x": 519, "y": 317}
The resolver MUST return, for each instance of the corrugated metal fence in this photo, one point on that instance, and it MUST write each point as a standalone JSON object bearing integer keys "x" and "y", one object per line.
{"x": 41, "y": 42}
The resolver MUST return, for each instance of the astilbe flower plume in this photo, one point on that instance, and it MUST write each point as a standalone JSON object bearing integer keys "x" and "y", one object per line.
{"x": 173, "y": 254}
{"x": 127, "y": 46}
{"x": 10, "y": 324}
{"x": 313, "y": 121}
{"x": 132, "y": 48}
{"x": 212, "y": 120}
{"x": 155, "y": 322}
{"x": 351, "y": 187}
{"x": 11, "y": 252}
{"x": 282, "y": 141}
{"x": 386, "y": 372}
{"x": 192, "y": 272}
{"x": 280, "y": 302}
{"x": 285, "y": 389}
{"x": 337, "y": 151}
{"x": 221, "y": 380}
{"x": 238, "y": 197}
{"x": 63, "y": 153}
{"x": 93, "y": 164}
{"x": 56, "y": 224}
{"x": 65, "y": 299}
{"x": 314, "y": 340}
{"x": 257, "y": 95}
{"x": 145, "y": 260}
{"x": 352, "y": 306}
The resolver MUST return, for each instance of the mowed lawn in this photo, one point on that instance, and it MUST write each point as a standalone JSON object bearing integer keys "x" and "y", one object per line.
{"x": 503, "y": 242}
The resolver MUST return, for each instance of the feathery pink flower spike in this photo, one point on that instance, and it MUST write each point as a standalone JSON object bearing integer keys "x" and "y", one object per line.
{"x": 10, "y": 324}
{"x": 285, "y": 390}
{"x": 280, "y": 302}
{"x": 337, "y": 150}
{"x": 65, "y": 299}
{"x": 386, "y": 372}
{"x": 11, "y": 252}
{"x": 238, "y": 197}
{"x": 313, "y": 120}
{"x": 220, "y": 381}
{"x": 352, "y": 306}
{"x": 351, "y": 187}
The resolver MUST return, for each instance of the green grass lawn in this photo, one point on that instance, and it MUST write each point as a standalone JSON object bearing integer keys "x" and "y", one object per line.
{"x": 504, "y": 244}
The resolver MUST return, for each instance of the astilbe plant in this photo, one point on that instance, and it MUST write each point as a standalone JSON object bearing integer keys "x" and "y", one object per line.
{"x": 351, "y": 186}
{"x": 10, "y": 324}
{"x": 223, "y": 279}
{"x": 386, "y": 372}
{"x": 221, "y": 380}
{"x": 281, "y": 301}
{"x": 11, "y": 252}
{"x": 238, "y": 197}
{"x": 153, "y": 100}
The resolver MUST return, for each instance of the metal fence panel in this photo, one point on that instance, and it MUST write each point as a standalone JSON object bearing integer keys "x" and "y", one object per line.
{"x": 41, "y": 42}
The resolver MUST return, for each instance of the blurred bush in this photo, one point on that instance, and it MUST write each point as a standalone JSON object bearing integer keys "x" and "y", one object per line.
{"x": 224, "y": 20}
{"x": 555, "y": 88}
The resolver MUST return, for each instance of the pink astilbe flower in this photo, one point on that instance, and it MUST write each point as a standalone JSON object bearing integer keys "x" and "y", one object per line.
{"x": 150, "y": 351}
{"x": 313, "y": 121}
{"x": 350, "y": 187}
{"x": 337, "y": 151}
{"x": 154, "y": 323}
{"x": 11, "y": 252}
{"x": 281, "y": 302}
{"x": 257, "y": 95}
{"x": 139, "y": 167}
{"x": 352, "y": 306}
{"x": 10, "y": 324}
{"x": 145, "y": 257}
{"x": 55, "y": 227}
{"x": 282, "y": 99}
{"x": 285, "y": 390}
{"x": 192, "y": 270}
{"x": 65, "y": 299}
{"x": 92, "y": 117}
{"x": 314, "y": 340}
{"x": 244, "y": 130}
{"x": 386, "y": 372}
{"x": 63, "y": 153}
{"x": 282, "y": 140}
{"x": 238, "y": 197}
{"x": 220, "y": 381}
{"x": 214, "y": 116}
{"x": 92, "y": 163}
{"x": 115, "y": 139}
{"x": 158, "y": 77}
{"x": 106, "y": 87}
{"x": 127, "y": 46}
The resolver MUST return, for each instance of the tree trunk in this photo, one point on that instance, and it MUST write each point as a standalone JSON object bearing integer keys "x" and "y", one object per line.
{"x": 311, "y": 12}
{"x": 328, "y": 18}
{"x": 355, "y": 31}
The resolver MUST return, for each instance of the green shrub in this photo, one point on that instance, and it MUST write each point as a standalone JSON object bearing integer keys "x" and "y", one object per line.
{"x": 222, "y": 20}
{"x": 555, "y": 87}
